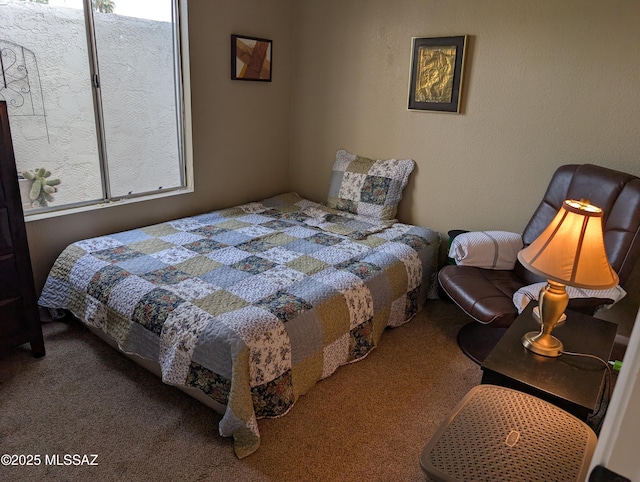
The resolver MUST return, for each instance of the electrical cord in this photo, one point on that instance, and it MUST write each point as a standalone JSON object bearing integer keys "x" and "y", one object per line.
{"x": 608, "y": 383}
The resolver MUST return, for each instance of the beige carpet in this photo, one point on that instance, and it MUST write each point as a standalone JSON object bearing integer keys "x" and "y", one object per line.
{"x": 369, "y": 421}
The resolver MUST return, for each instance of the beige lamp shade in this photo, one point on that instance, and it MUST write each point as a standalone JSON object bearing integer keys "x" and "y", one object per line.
{"x": 571, "y": 249}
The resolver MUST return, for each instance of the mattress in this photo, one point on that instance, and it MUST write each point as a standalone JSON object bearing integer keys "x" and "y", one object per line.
{"x": 249, "y": 306}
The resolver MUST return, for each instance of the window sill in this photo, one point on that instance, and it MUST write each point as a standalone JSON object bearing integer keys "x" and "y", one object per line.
{"x": 104, "y": 205}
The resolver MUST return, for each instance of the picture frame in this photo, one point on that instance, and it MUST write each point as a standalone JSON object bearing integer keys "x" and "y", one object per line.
{"x": 437, "y": 68}
{"x": 251, "y": 58}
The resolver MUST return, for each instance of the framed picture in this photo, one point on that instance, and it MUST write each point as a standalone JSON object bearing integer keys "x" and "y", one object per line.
{"x": 251, "y": 58}
{"x": 436, "y": 73}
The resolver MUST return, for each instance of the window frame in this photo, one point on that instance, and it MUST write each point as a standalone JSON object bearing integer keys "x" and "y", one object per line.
{"x": 183, "y": 121}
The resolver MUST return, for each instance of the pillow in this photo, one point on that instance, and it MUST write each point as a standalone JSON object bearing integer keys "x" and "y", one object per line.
{"x": 366, "y": 187}
{"x": 486, "y": 249}
{"x": 524, "y": 295}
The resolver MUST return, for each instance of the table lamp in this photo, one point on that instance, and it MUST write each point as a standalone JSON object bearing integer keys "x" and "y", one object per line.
{"x": 570, "y": 251}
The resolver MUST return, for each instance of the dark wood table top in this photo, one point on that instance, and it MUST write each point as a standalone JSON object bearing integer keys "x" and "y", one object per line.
{"x": 576, "y": 379}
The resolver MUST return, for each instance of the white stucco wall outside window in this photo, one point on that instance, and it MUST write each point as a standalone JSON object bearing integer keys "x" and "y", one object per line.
{"x": 51, "y": 107}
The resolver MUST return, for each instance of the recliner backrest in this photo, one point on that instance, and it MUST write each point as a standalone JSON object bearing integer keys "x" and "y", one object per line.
{"x": 616, "y": 193}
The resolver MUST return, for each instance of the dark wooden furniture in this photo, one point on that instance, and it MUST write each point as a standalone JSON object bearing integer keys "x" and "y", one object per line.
{"x": 19, "y": 317}
{"x": 572, "y": 383}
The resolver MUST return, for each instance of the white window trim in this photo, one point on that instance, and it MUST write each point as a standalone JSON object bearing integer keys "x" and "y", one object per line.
{"x": 187, "y": 144}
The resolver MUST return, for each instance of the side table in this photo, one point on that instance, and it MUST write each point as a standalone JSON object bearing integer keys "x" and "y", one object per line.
{"x": 573, "y": 383}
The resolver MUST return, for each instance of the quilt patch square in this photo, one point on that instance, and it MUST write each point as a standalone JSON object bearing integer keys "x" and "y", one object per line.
{"x": 209, "y": 218}
{"x": 352, "y": 185}
{"x": 254, "y": 288}
{"x": 228, "y": 255}
{"x": 361, "y": 340}
{"x": 198, "y": 265}
{"x": 191, "y": 289}
{"x": 359, "y": 303}
{"x": 185, "y": 224}
{"x": 204, "y": 246}
{"x": 104, "y": 281}
{"x": 278, "y": 225}
{"x": 165, "y": 276}
{"x": 159, "y": 230}
{"x": 116, "y": 255}
{"x": 303, "y": 246}
{"x": 417, "y": 243}
{"x": 264, "y": 335}
{"x": 214, "y": 385}
{"x": 224, "y": 276}
{"x": 142, "y": 264}
{"x": 127, "y": 294}
{"x": 307, "y": 264}
{"x": 231, "y": 238}
{"x": 324, "y": 239}
{"x": 279, "y": 255}
{"x": 253, "y": 265}
{"x": 154, "y": 307}
{"x": 99, "y": 244}
{"x": 182, "y": 238}
{"x": 336, "y": 354}
{"x": 129, "y": 237}
{"x": 331, "y": 254}
{"x": 284, "y": 305}
{"x": 255, "y": 246}
{"x": 278, "y": 239}
{"x": 361, "y": 269}
{"x": 254, "y": 219}
{"x": 150, "y": 246}
{"x": 174, "y": 255}
{"x": 83, "y": 271}
{"x": 255, "y": 231}
{"x": 283, "y": 276}
{"x": 300, "y": 232}
{"x": 208, "y": 231}
{"x": 274, "y": 397}
{"x": 220, "y": 302}
{"x": 305, "y": 333}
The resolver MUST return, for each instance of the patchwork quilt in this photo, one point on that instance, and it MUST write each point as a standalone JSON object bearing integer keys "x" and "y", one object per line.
{"x": 253, "y": 304}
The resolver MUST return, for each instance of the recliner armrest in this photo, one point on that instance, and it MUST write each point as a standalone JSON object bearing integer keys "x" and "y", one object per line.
{"x": 583, "y": 300}
{"x": 486, "y": 249}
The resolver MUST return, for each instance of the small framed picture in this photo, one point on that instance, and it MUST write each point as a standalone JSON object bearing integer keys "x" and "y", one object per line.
{"x": 437, "y": 66}
{"x": 251, "y": 58}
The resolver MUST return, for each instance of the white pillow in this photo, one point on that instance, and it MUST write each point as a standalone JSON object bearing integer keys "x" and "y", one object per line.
{"x": 486, "y": 249}
{"x": 524, "y": 295}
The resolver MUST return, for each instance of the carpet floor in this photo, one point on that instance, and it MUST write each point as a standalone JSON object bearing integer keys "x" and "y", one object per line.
{"x": 368, "y": 421}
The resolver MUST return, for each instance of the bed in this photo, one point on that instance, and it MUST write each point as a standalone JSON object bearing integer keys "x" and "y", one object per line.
{"x": 247, "y": 308}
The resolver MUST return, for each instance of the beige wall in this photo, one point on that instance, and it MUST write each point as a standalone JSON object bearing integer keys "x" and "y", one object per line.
{"x": 546, "y": 83}
{"x": 240, "y": 130}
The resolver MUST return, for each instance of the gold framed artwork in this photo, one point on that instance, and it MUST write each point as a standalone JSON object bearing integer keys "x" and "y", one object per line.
{"x": 437, "y": 66}
{"x": 251, "y": 58}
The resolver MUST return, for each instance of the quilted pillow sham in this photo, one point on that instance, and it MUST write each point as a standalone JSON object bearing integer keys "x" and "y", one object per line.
{"x": 368, "y": 187}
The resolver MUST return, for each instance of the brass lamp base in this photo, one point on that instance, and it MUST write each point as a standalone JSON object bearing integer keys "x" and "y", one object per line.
{"x": 553, "y": 300}
{"x": 543, "y": 345}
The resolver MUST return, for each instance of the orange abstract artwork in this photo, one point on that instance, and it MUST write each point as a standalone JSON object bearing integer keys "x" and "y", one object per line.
{"x": 251, "y": 58}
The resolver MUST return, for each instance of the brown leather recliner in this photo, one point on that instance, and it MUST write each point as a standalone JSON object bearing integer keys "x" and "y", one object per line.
{"x": 486, "y": 295}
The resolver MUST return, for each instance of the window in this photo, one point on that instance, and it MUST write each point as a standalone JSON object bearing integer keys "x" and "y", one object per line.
{"x": 94, "y": 90}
